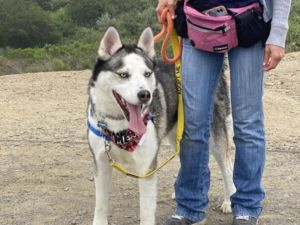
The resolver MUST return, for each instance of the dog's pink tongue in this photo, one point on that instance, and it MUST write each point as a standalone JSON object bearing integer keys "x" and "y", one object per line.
{"x": 136, "y": 122}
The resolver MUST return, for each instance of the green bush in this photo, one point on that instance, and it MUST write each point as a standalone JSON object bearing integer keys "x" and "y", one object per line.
{"x": 71, "y": 56}
{"x": 293, "y": 38}
{"x": 60, "y": 65}
{"x": 85, "y": 35}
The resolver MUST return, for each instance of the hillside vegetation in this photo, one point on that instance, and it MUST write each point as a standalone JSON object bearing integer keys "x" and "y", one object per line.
{"x": 47, "y": 35}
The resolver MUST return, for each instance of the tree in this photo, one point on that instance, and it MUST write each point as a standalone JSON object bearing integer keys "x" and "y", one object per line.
{"x": 86, "y": 12}
{"x": 58, "y": 4}
{"x": 25, "y": 24}
{"x": 44, "y": 4}
{"x": 52, "y": 5}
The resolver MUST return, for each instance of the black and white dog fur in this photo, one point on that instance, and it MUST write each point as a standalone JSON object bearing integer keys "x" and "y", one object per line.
{"x": 128, "y": 75}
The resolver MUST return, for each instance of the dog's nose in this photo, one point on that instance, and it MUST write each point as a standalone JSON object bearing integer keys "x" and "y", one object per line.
{"x": 144, "y": 96}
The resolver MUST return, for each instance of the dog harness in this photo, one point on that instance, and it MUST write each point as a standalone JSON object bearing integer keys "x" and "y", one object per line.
{"x": 125, "y": 139}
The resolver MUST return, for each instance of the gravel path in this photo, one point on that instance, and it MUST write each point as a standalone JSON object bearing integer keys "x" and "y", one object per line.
{"x": 46, "y": 170}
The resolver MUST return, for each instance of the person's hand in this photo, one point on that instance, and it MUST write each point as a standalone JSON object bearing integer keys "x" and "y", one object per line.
{"x": 273, "y": 55}
{"x": 162, "y": 4}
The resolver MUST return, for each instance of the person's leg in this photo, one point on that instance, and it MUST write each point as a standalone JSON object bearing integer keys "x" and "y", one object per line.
{"x": 246, "y": 65}
{"x": 200, "y": 74}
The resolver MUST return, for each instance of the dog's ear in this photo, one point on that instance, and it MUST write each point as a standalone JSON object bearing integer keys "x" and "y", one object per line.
{"x": 146, "y": 42}
{"x": 110, "y": 44}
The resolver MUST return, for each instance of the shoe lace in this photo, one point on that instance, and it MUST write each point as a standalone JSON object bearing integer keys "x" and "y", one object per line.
{"x": 242, "y": 217}
{"x": 177, "y": 217}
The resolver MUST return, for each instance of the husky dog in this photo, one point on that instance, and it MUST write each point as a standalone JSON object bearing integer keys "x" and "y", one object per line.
{"x": 132, "y": 106}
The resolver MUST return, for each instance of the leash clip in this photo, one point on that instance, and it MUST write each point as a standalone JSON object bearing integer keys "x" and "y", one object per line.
{"x": 107, "y": 150}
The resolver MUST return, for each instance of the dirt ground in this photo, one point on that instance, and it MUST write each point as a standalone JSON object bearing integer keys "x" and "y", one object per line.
{"x": 46, "y": 169}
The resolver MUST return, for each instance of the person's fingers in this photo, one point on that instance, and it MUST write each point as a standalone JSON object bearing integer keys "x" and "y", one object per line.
{"x": 267, "y": 58}
{"x": 275, "y": 59}
{"x": 171, "y": 7}
{"x": 159, "y": 10}
{"x": 273, "y": 55}
{"x": 270, "y": 66}
{"x": 170, "y": 4}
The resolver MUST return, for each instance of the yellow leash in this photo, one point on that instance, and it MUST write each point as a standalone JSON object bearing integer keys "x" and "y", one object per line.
{"x": 176, "y": 48}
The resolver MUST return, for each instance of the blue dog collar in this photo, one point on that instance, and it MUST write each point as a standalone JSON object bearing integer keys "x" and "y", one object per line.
{"x": 96, "y": 131}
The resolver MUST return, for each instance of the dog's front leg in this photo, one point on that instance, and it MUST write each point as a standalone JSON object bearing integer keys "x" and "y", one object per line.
{"x": 221, "y": 151}
{"x": 148, "y": 194}
{"x": 102, "y": 184}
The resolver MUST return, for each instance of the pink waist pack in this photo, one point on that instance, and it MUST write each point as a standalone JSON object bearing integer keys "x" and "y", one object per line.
{"x": 214, "y": 34}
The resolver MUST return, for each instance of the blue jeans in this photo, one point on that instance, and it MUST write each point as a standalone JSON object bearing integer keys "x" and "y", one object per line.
{"x": 200, "y": 74}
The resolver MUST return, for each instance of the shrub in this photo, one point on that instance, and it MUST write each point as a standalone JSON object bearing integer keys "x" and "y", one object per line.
{"x": 293, "y": 37}
{"x": 70, "y": 56}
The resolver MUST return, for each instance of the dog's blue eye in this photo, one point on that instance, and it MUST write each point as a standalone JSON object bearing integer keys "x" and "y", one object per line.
{"x": 147, "y": 74}
{"x": 123, "y": 75}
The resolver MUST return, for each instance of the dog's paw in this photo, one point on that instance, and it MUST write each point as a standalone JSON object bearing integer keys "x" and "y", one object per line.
{"x": 100, "y": 222}
{"x": 226, "y": 207}
{"x": 97, "y": 223}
